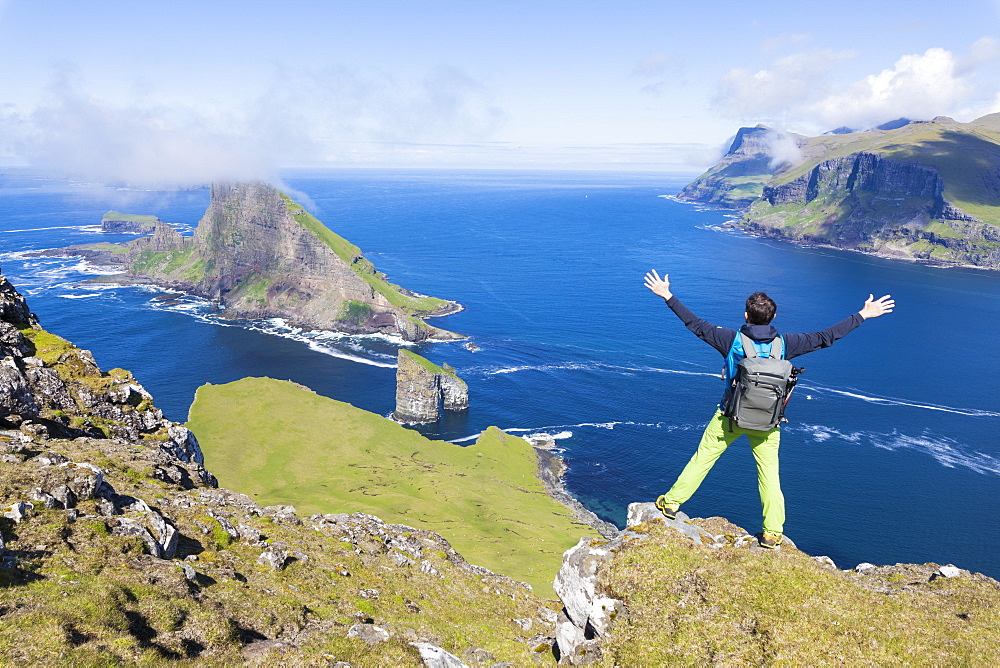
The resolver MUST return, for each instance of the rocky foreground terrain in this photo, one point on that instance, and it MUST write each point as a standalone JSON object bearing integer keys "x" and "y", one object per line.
{"x": 118, "y": 548}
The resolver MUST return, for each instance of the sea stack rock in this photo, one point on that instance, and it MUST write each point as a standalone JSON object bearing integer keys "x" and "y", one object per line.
{"x": 423, "y": 388}
{"x": 128, "y": 222}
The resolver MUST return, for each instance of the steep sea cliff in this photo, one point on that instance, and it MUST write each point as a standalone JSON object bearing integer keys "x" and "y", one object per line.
{"x": 259, "y": 254}
{"x": 926, "y": 191}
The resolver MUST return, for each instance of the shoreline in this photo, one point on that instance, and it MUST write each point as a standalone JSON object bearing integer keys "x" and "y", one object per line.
{"x": 937, "y": 264}
{"x": 551, "y": 469}
{"x": 777, "y": 236}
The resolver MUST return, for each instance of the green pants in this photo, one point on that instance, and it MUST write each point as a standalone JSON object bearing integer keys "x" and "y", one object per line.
{"x": 714, "y": 442}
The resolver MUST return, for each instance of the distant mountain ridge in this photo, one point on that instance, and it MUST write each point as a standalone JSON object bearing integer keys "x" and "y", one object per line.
{"x": 259, "y": 254}
{"x": 923, "y": 190}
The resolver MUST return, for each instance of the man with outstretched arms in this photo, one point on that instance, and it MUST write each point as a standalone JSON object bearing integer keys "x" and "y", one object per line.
{"x": 720, "y": 432}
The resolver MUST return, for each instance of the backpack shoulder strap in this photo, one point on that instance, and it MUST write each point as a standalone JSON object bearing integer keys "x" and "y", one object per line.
{"x": 749, "y": 350}
{"x": 778, "y": 347}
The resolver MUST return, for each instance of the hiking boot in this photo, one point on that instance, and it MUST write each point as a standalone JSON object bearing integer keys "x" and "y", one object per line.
{"x": 669, "y": 511}
{"x": 770, "y": 540}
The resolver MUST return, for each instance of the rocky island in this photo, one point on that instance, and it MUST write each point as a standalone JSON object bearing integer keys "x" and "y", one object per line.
{"x": 132, "y": 223}
{"x": 917, "y": 190}
{"x": 259, "y": 254}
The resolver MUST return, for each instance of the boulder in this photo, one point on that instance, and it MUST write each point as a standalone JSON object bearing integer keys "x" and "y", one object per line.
{"x": 273, "y": 556}
{"x": 435, "y": 657}
{"x": 371, "y": 634}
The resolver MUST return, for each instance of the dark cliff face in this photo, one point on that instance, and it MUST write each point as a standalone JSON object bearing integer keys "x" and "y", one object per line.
{"x": 738, "y": 178}
{"x": 264, "y": 263}
{"x": 871, "y": 203}
{"x": 854, "y": 175}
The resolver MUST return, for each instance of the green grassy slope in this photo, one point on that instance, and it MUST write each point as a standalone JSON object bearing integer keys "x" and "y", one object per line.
{"x": 965, "y": 154}
{"x": 352, "y": 257}
{"x": 283, "y": 444}
{"x": 130, "y": 217}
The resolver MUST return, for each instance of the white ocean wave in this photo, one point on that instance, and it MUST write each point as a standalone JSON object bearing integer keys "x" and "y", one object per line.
{"x": 328, "y": 343}
{"x": 80, "y": 228}
{"x": 52, "y": 273}
{"x": 555, "y": 437}
{"x": 852, "y": 393}
{"x": 588, "y": 366}
{"x": 945, "y": 450}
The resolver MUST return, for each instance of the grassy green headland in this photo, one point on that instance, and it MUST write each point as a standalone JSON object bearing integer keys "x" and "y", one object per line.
{"x": 351, "y": 255}
{"x": 130, "y": 217}
{"x": 283, "y": 444}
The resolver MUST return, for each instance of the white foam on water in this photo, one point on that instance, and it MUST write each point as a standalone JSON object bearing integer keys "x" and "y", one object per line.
{"x": 555, "y": 437}
{"x": 80, "y": 228}
{"x": 467, "y": 438}
{"x": 852, "y": 393}
{"x": 945, "y": 450}
{"x": 588, "y": 366}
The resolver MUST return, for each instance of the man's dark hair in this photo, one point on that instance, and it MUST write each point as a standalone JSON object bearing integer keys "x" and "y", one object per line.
{"x": 760, "y": 309}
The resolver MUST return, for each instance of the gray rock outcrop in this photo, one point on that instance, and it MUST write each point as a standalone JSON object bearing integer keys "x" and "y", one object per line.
{"x": 589, "y": 609}
{"x": 128, "y": 223}
{"x": 424, "y": 388}
{"x": 50, "y": 388}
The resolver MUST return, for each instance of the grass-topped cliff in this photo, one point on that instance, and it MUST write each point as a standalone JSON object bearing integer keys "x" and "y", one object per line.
{"x": 284, "y": 444}
{"x": 927, "y": 190}
{"x": 259, "y": 254}
{"x": 693, "y": 604}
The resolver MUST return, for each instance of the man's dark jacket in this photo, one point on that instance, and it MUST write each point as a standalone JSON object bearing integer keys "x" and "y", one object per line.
{"x": 721, "y": 338}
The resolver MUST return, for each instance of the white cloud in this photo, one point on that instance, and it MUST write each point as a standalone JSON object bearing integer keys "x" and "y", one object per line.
{"x": 304, "y": 116}
{"x": 917, "y": 86}
{"x": 800, "y": 90}
{"x": 770, "y": 93}
{"x": 995, "y": 105}
{"x": 984, "y": 51}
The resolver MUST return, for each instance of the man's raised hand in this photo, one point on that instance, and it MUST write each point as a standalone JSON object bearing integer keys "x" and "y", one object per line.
{"x": 873, "y": 308}
{"x": 660, "y": 286}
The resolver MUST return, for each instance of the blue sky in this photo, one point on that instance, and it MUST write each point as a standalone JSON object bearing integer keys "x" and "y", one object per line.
{"x": 149, "y": 91}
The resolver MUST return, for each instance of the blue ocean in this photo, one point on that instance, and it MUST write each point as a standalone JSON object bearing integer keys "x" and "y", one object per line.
{"x": 891, "y": 453}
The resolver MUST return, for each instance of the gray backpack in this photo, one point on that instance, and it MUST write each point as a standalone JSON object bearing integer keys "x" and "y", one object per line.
{"x": 760, "y": 388}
